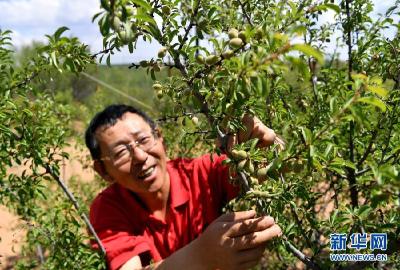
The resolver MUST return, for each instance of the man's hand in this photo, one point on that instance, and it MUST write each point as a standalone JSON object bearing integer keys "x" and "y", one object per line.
{"x": 254, "y": 128}
{"x": 234, "y": 241}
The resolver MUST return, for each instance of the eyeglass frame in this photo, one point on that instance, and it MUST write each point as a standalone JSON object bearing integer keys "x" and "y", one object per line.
{"x": 129, "y": 147}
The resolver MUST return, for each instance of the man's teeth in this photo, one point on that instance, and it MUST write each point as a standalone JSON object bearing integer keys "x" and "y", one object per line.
{"x": 146, "y": 173}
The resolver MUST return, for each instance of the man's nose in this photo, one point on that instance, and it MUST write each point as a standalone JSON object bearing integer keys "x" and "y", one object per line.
{"x": 138, "y": 156}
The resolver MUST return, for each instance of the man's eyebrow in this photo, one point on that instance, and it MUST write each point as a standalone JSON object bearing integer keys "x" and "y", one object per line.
{"x": 125, "y": 141}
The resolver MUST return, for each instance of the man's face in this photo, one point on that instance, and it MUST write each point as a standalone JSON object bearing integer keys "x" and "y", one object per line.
{"x": 144, "y": 171}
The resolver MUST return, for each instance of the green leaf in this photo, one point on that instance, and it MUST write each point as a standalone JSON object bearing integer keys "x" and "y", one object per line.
{"x": 146, "y": 18}
{"x": 59, "y": 32}
{"x": 143, "y": 4}
{"x": 373, "y": 101}
{"x": 54, "y": 59}
{"x": 364, "y": 211}
{"x": 380, "y": 91}
{"x": 308, "y": 50}
{"x": 333, "y": 7}
{"x": 307, "y": 135}
{"x": 341, "y": 162}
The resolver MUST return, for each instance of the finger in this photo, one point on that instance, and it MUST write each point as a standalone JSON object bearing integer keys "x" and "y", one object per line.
{"x": 232, "y": 141}
{"x": 255, "y": 239}
{"x": 280, "y": 142}
{"x": 250, "y": 225}
{"x": 249, "y": 264}
{"x": 265, "y": 135}
{"x": 236, "y": 216}
{"x": 253, "y": 254}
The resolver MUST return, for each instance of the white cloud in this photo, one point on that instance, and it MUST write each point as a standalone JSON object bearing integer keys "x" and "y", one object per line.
{"x": 34, "y": 13}
{"x": 28, "y": 13}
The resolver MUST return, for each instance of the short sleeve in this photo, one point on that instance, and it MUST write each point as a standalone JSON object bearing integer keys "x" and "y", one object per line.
{"x": 115, "y": 232}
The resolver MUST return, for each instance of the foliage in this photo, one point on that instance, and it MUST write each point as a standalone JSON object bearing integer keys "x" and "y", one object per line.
{"x": 228, "y": 59}
{"x": 264, "y": 58}
{"x": 33, "y": 134}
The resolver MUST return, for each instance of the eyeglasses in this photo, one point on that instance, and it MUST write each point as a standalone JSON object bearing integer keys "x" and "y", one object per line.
{"x": 122, "y": 154}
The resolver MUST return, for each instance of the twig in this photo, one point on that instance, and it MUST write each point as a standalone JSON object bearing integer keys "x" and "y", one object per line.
{"x": 300, "y": 255}
{"x": 245, "y": 13}
{"x": 175, "y": 117}
{"x": 102, "y": 52}
{"x": 165, "y": 64}
{"x": 191, "y": 24}
{"x": 25, "y": 81}
{"x": 371, "y": 142}
{"x": 71, "y": 197}
{"x": 350, "y": 171}
{"x": 40, "y": 253}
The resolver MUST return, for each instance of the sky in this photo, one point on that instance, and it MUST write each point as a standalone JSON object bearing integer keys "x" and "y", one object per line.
{"x": 33, "y": 19}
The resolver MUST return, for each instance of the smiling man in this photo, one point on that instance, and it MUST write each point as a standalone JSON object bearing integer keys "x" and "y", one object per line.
{"x": 168, "y": 211}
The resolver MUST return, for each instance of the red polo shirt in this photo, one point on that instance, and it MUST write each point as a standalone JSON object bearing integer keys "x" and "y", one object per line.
{"x": 198, "y": 191}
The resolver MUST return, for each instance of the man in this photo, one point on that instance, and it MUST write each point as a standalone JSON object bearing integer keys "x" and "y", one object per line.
{"x": 169, "y": 211}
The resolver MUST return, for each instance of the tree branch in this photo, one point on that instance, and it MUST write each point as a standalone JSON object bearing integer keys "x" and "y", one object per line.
{"x": 191, "y": 24}
{"x": 300, "y": 255}
{"x": 245, "y": 13}
{"x": 71, "y": 197}
{"x": 350, "y": 171}
{"x": 102, "y": 52}
{"x": 371, "y": 142}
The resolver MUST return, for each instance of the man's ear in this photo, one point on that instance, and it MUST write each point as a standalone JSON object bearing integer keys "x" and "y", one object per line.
{"x": 158, "y": 133}
{"x": 99, "y": 167}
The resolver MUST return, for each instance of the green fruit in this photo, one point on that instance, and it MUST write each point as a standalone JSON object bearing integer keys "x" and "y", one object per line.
{"x": 200, "y": 59}
{"x": 259, "y": 33}
{"x": 118, "y": 12}
{"x": 195, "y": 120}
{"x": 250, "y": 167}
{"x": 130, "y": 10}
{"x": 254, "y": 181}
{"x": 116, "y": 23}
{"x": 242, "y": 36}
{"x": 236, "y": 43}
{"x": 123, "y": 36}
{"x": 262, "y": 173}
{"x": 239, "y": 154}
{"x": 157, "y": 86}
{"x": 212, "y": 59}
{"x": 166, "y": 10}
{"x": 162, "y": 52}
{"x": 233, "y": 33}
{"x": 210, "y": 78}
{"x": 242, "y": 164}
{"x": 159, "y": 94}
{"x": 227, "y": 54}
{"x": 126, "y": 35}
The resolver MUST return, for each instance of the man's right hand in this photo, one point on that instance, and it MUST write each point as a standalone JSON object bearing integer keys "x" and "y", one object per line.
{"x": 235, "y": 241}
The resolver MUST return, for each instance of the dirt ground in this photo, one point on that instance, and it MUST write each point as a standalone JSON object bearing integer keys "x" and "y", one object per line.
{"x": 11, "y": 231}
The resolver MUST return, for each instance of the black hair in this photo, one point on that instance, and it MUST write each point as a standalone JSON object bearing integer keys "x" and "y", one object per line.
{"x": 107, "y": 118}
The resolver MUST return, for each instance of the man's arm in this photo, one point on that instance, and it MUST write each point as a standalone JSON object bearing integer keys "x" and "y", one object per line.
{"x": 233, "y": 241}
